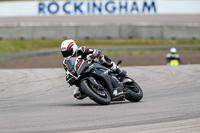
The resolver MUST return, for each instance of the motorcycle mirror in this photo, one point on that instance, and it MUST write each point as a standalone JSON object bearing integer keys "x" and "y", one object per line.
{"x": 119, "y": 62}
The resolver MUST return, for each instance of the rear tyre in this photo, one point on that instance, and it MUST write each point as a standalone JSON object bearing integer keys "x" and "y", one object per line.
{"x": 135, "y": 93}
{"x": 99, "y": 96}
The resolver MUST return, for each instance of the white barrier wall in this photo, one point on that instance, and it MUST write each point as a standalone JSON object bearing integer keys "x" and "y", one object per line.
{"x": 100, "y": 31}
{"x": 98, "y": 7}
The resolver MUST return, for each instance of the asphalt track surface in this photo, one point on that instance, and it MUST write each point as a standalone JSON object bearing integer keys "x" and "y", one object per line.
{"x": 104, "y": 19}
{"x": 40, "y": 101}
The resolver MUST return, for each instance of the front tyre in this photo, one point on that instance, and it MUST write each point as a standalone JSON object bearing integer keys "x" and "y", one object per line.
{"x": 99, "y": 96}
{"x": 135, "y": 92}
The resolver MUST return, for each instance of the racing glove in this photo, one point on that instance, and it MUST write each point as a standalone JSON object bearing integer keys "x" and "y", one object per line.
{"x": 96, "y": 53}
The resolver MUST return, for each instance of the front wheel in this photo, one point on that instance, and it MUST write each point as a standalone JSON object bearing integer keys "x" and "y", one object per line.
{"x": 99, "y": 96}
{"x": 135, "y": 92}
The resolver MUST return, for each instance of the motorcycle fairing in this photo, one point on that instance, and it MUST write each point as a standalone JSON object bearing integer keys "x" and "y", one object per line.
{"x": 101, "y": 72}
{"x": 81, "y": 65}
{"x": 70, "y": 78}
{"x": 95, "y": 66}
{"x": 91, "y": 80}
{"x": 110, "y": 84}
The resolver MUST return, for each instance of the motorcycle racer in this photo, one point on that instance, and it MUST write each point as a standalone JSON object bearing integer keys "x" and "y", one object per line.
{"x": 69, "y": 49}
{"x": 172, "y": 58}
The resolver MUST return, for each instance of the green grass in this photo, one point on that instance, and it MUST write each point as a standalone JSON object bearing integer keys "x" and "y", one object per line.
{"x": 140, "y": 52}
{"x": 131, "y": 42}
{"x": 29, "y": 45}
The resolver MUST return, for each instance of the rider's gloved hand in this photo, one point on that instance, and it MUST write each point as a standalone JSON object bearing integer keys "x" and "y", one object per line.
{"x": 95, "y": 54}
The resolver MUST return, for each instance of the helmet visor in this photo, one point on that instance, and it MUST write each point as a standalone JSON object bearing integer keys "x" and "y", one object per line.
{"x": 67, "y": 53}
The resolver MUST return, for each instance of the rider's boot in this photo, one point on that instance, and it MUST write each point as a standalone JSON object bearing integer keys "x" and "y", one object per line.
{"x": 122, "y": 73}
{"x": 78, "y": 94}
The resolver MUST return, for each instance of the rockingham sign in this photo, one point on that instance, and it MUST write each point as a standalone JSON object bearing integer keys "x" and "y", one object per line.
{"x": 98, "y": 7}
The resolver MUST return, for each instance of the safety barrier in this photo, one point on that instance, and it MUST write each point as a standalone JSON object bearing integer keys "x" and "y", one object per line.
{"x": 99, "y": 31}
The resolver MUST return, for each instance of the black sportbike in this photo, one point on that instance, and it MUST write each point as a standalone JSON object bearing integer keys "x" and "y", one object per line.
{"x": 101, "y": 84}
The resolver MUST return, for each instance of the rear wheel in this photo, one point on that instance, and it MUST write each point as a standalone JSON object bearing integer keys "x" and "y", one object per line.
{"x": 135, "y": 92}
{"x": 99, "y": 95}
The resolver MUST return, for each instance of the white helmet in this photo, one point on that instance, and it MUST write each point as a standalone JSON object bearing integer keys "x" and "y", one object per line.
{"x": 173, "y": 50}
{"x": 68, "y": 48}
